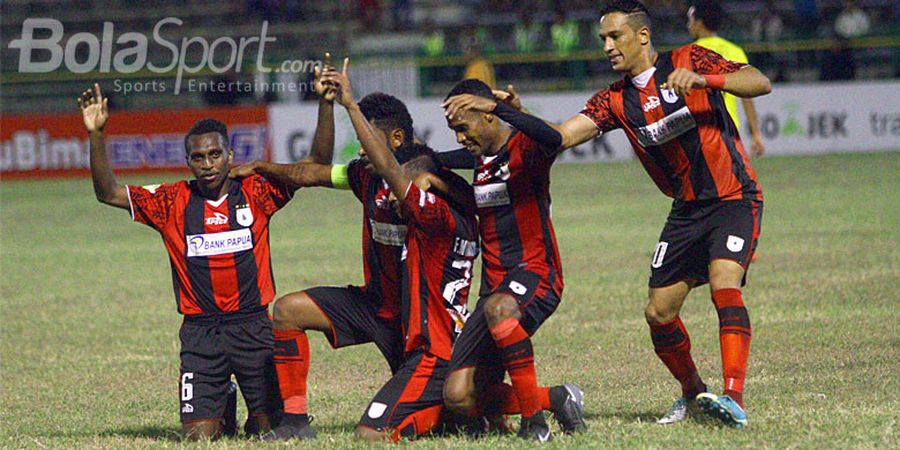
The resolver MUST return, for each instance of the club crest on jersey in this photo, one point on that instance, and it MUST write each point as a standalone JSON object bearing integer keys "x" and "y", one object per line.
{"x": 652, "y": 103}
{"x": 669, "y": 95}
{"x": 503, "y": 172}
{"x": 244, "y": 215}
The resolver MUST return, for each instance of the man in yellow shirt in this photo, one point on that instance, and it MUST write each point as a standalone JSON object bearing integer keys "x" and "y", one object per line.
{"x": 704, "y": 18}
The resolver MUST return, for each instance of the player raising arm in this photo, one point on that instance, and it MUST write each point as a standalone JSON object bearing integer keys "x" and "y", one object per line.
{"x": 440, "y": 247}
{"x": 216, "y": 232}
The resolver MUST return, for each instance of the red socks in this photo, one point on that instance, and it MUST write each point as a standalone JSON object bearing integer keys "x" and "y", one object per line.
{"x": 673, "y": 346}
{"x": 734, "y": 340}
{"x": 292, "y": 367}
{"x": 501, "y": 399}
{"x": 518, "y": 359}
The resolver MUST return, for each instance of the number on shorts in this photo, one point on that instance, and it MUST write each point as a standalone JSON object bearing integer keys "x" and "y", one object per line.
{"x": 187, "y": 389}
{"x": 659, "y": 254}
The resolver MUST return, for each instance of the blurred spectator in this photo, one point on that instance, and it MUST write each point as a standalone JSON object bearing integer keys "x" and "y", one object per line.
{"x": 564, "y": 34}
{"x": 434, "y": 41}
{"x": 268, "y": 9}
{"x": 852, "y": 21}
{"x": 369, "y": 13}
{"x": 838, "y": 62}
{"x": 807, "y": 17}
{"x": 401, "y": 13}
{"x": 527, "y": 34}
{"x": 768, "y": 28}
{"x": 478, "y": 67}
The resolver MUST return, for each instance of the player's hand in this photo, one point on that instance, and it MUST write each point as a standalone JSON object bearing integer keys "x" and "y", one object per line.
{"x": 94, "y": 109}
{"x": 509, "y": 96}
{"x": 467, "y": 102}
{"x": 326, "y": 91}
{"x": 341, "y": 83}
{"x": 757, "y": 148}
{"x": 243, "y": 170}
{"x": 682, "y": 81}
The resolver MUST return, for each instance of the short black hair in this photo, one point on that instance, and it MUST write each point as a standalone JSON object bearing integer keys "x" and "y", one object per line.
{"x": 388, "y": 113}
{"x": 639, "y": 15}
{"x": 414, "y": 151}
{"x": 204, "y": 126}
{"x": 710, "y": 12}
{"x": 471, "y": 86}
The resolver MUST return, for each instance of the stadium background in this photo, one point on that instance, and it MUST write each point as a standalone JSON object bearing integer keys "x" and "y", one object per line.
{"x": 89, "y": 347}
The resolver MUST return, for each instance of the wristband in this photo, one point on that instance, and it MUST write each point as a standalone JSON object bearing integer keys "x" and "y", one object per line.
{"x": 340, "y": 177}
{"x": 715, "y": 81}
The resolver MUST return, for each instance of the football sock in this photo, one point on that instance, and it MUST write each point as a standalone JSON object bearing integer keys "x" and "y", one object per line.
{"x": 292, "y": 367}
{"x": 501, "y": 399}
{"x": 518, "y": 359}
{"x": 673, "y": 346}
{"x": 734, "y": 340}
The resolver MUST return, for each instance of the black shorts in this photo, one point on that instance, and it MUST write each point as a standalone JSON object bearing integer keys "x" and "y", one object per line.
{"x": 354, "y": 319}
{"x": 697, "y": 233}
{"x": 411, "y": 402}
{"x": 476, "y": 347}
{"x": 215, "y": 347}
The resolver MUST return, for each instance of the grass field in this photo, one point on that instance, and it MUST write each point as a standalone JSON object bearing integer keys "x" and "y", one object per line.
{"x": 89, "y": 326}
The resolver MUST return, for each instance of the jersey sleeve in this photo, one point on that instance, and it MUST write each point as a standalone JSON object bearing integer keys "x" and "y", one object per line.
{"x": 267, "y": 195}
{"x": 456, "y": 159}
{"x": 599, "y": 111}
{"x": 430, "y": 213}
{"x": 152, "y": 205}
{"x": 358, "y": 178}
{"x": 708, "y": 62}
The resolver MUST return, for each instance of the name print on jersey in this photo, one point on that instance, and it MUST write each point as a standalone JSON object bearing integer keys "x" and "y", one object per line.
{"x": 670, "y": 127}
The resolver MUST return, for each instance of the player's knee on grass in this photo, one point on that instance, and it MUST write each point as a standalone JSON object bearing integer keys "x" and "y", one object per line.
{"x": 298, "y": 311}
{"x": 367, "y": 434}
{"x": 202, "y": 430}
{"x": 459, "y": 391}
{"x": 725, "y": 274}
{"x": 500, "y": 307}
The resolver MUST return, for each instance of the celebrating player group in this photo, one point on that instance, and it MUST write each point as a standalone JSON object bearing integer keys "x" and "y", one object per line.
{"x": 423, "y": 227}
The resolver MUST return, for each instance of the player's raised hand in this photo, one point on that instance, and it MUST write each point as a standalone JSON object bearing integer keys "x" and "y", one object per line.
{"x": 341, "y": 82}
{"x": 757, "y": 148}
{"x": 325, "y": 91}
{"x": 467, "y": 102}
{"x": 509, "y": 96}
{"x": 243, "y": 170}
{"x": 682, "y": 81}
{"x": 94, "y": 109}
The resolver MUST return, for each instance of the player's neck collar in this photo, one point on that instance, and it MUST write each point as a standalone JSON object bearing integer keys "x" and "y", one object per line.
{"x": 643, "y": 79}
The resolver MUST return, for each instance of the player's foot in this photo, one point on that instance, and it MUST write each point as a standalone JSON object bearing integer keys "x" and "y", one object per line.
{"x": 535, "y": 428}
{"x": 723, "y": 408}
{"x": 568, "y": 408}
{"x": 291, "y": 427}
{"x": 682, "y": 409}
{"x": 230, "y": 428}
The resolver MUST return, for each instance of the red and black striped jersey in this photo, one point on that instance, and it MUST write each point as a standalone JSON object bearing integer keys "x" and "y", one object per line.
{"x": 689, "y": 146}
{"x": 512, "y": 190}
{"x": 218, "y": 250}
{"x": 441, "y": 246}
{"x": 384, "y": 234}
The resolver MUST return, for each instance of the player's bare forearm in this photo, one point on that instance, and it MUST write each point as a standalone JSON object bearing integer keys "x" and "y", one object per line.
{"x": 380, "y": 156}
{"x": 322, "y": 150}
{"x": 576, "y": 131}
{"x": 106, "y": 188}
{"x": 757, "y": 148}
{"x": 299, "y": 174}
{"x": 748, "y": 82}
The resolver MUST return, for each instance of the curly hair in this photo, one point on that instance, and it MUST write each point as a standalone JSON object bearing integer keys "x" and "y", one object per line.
{"x": 388, "y": 113}
{"x": 204, "y": 126}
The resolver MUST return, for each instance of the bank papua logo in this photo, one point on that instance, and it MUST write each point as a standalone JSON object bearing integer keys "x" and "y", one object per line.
{"x": 196, "y": 244}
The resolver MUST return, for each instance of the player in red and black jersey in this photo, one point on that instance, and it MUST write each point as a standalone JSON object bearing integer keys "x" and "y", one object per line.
{"x": 670, "y": 107}
{"x": 348, "y": 315}
{"x": 522, "y": 275}
{"x": 440, "y": 247}
{"x": 216, "y": 232}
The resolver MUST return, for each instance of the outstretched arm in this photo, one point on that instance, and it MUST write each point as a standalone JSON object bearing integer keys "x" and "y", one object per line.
{"x": 757, "y": 148}
{"x": 299, "y": 174}
{"x": 322, "y": 151}
{"x": 532, "y": 126}
{"x": 95, "y": 113}
{"x": 379, "y": 154}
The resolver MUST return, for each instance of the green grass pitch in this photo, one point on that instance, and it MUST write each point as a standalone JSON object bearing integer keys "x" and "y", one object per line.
{"x": 89, "y": 327}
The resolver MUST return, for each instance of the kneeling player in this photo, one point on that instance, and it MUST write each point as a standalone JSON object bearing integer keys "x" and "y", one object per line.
{"x": 216, "y": 232}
